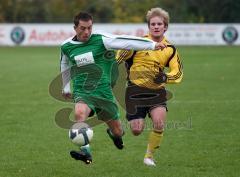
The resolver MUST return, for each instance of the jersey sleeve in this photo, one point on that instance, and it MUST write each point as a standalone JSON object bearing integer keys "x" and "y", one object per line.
{"x": 65, "y": 70}
{"x": 123, "y": 55}
{"x": 175, "y": 73}
{"x": 115, "y": 42}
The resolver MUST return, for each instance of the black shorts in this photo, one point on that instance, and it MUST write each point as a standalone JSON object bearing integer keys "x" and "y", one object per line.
{"x": 140, "y": 100}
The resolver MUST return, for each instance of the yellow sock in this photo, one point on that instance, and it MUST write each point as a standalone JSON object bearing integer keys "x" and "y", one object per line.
{"x": 154, "y": 141}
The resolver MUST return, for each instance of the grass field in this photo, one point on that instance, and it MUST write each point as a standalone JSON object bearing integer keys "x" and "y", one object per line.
{"x": 201, "y": 139}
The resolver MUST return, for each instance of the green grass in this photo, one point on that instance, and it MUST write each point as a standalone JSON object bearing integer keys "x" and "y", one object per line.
{"x": 32, "y": 145}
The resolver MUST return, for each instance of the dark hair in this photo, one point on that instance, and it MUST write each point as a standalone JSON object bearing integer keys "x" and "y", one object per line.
{"x": 84, "y": 16}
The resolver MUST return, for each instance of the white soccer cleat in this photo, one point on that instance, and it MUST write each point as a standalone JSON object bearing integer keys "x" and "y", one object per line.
{"x": 149, "y": 162}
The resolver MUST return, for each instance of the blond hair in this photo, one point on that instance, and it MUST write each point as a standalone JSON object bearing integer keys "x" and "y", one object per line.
{"x": 159, "y": 12}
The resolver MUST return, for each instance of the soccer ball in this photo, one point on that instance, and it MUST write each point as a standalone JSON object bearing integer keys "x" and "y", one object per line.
{"x": 81, "y": 136}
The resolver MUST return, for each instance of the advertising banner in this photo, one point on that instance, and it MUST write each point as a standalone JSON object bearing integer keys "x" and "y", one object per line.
{"x": 178, "y": 34}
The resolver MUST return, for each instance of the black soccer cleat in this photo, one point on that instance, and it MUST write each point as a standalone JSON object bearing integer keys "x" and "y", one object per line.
{"x": 80, "y": 155}
{"x": 118, "y": 142}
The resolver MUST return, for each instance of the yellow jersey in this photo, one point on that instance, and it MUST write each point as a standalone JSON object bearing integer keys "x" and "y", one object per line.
{"x": 143, "y": 66}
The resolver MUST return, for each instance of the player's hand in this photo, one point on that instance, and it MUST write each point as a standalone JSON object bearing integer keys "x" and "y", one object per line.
{"x": 67, "y": 95}
{"x": 160, "y": 78}
{"x": 160, "y": 46}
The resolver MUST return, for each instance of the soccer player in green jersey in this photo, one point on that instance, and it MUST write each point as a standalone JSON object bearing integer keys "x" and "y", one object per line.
{"x": 87, "y": 60}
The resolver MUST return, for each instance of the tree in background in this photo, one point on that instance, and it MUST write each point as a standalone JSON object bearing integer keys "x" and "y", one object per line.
{"x": 214, "y": 11}
{"x": 118, "y": 11}
{"x": 22, "y": 11}
{"x": 132, "y": 11}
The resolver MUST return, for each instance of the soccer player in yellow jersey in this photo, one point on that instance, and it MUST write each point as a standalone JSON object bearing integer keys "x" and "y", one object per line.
{"x": 145, "y": 93}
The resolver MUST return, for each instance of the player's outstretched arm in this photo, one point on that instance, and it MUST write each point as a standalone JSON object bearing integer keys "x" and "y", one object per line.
{"x": 130, "y": 43}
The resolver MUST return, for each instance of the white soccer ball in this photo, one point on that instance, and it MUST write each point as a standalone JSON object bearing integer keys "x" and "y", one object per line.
{"x": 81, "y": 136}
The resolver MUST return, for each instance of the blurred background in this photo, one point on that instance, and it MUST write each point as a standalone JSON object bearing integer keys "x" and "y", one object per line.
{"x": 202, "y": 129}
{"x": 50, "y": 22}
{"x": 118, "y": 11}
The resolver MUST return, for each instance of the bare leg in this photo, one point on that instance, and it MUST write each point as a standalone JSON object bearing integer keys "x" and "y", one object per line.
{"x": 137, "y": 126}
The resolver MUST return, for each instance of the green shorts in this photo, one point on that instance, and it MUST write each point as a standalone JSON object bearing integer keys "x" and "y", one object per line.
{"x": 100, "y": 101}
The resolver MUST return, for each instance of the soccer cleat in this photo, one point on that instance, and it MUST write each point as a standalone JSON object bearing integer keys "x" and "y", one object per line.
{"x": 80, "y": 155}
{"x": 116, "y": 140}
{"x": 149, "y": 162}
